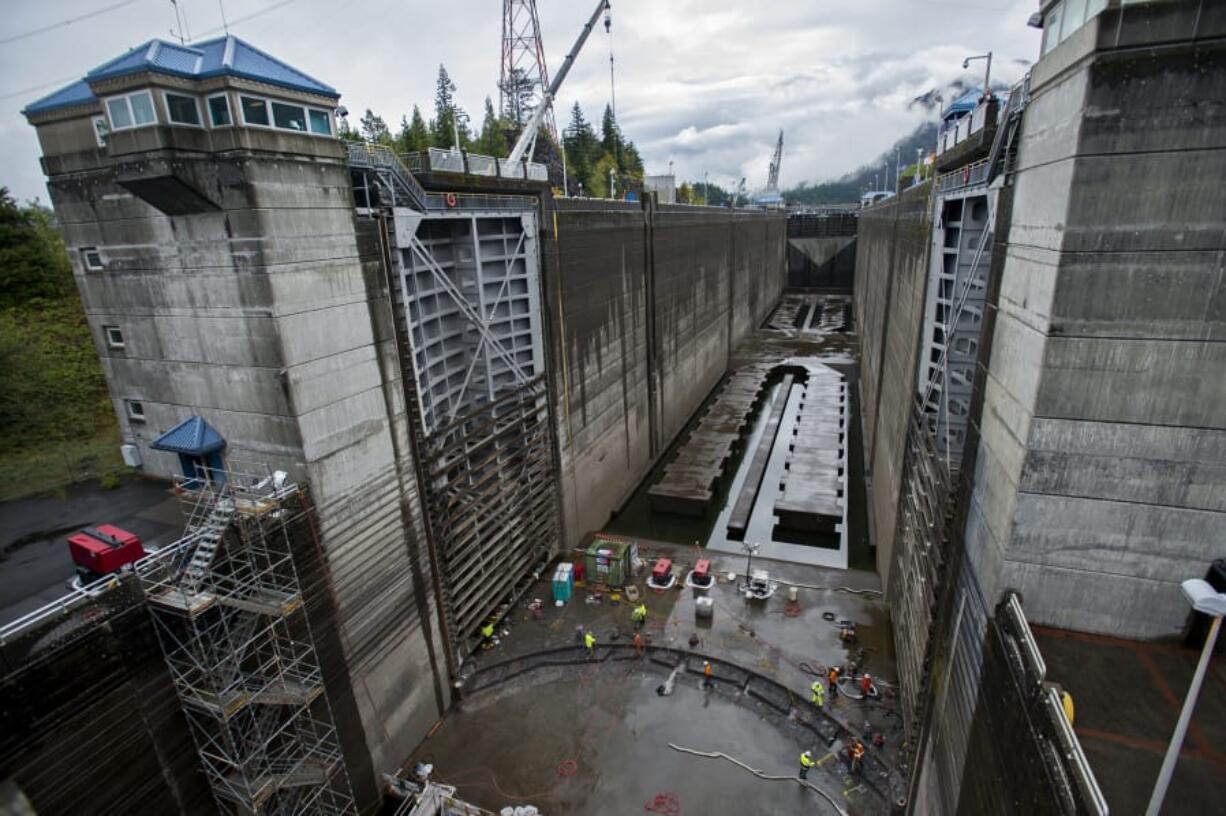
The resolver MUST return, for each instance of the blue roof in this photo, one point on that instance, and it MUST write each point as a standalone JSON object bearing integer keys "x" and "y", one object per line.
{"x": 192, "y": 436}
{"x": 227, "y": 56}
{"x": 965, "y": 103}
{"x": 78, "y": 93}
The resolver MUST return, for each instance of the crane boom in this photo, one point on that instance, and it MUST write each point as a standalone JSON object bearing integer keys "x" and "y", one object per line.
{"x": 772, "y": 179}
{"x": 528, "y": 136}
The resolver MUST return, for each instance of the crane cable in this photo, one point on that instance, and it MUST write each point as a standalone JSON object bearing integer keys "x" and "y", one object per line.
{"x": 608, "y": 30}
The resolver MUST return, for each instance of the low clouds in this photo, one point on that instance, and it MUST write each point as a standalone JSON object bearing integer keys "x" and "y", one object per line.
{"x": 706, "y": 84}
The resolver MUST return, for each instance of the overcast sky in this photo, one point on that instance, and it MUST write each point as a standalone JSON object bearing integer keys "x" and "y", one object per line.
{"x": 706, "y": 84}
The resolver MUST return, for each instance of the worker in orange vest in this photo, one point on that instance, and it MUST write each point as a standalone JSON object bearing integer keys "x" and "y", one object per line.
{"x": 866, "y": 684}
{"x": 707, "y": 673}
{"x": 833, "y": 676}
{"x": 638, "y": 643}
{"x": 857, "y": 754}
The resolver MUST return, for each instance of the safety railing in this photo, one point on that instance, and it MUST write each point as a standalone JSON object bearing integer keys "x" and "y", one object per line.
{"x": 1050, "y": 718}
{"x": 969, "y": 176}
{"x": 479, "y": 165}
{"x": 384, "y": 163}
{"x": 478, "y": 201}
{"x": 446, "y": 161}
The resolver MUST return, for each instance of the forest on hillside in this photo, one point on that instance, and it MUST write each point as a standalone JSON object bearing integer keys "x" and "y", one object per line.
{"x": 56, "y": 421}
{"x": 593, "y": 158}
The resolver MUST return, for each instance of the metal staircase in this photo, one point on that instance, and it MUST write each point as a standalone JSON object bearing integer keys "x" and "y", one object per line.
{"x": 399, "y": 187}
{"x": 1004, "y": 145}
{"x": 208, "y": 537}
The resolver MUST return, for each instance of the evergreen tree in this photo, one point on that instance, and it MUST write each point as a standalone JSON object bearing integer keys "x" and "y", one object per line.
{"x": 32, "y": 260}
{"x": 493, "y": 140}
{"x": 414, "y": 137}
{"x": 449, "y": 118}
{"x": 419, "y": 134}
{"x": 374, "y": 129}
{"x": 518, "y": 93}
{"x": 684, "y": 194}
{"x": 610, "y": 134}
{"x": 582, "y": 150}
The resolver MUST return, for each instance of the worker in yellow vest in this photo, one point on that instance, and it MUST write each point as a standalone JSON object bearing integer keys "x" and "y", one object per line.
{"x": 589, "y": 641}
{"x": 487, "y": 634}
{"x": 639, "y": 616}
{"x": 818, "y": 694}
{"x": 806, "y": 762}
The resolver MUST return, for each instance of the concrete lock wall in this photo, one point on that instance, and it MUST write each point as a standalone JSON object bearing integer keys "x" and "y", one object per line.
{"x": 822, "y": 263}
{"x": 91, "y": 720}
{"x": 1101, "y": 480}
{"x": 645, "y": 306}
{"x": 269, "y": 317}
{"x": 891, "y": 273}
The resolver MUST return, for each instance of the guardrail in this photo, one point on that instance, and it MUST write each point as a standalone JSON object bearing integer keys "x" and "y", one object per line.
{"x": 971, "y": 175}
{"x": 1048, "y": 708}
{"x": 438, "y": 160}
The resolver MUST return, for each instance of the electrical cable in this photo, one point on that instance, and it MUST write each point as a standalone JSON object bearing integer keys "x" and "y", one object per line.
{"x": 53, "y": 26}
{"x": 760, "y": 774}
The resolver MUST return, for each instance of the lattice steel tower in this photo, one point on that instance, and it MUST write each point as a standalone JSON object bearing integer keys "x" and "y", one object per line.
{"x": 524, "y": 74}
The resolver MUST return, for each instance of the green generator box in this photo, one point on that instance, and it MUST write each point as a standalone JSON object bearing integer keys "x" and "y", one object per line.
{"x": 610, "y": 562}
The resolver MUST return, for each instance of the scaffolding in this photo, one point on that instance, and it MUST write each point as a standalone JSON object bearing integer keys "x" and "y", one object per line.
{"x": 228, "y": 612}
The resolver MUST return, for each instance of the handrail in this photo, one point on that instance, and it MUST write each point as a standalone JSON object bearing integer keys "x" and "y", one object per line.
{"x": 381, "y": 158}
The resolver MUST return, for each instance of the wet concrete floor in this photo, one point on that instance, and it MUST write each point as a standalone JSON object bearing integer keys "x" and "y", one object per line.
{"x": 1127, "y": 697}
{"x": 508, "y": 741}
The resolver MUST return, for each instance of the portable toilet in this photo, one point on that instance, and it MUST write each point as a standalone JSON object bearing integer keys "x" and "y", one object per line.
{"x": 563, "y": 582}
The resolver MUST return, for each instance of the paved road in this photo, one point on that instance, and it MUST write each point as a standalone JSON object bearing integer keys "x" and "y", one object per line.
{"x": 35, "y": 567}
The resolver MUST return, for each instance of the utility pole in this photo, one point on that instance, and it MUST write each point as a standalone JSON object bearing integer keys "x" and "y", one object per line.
{"x": 897, "y": 166}
{"x": 705, "y": 187}
{"x": 919, "y": 166}
{"x": 987, "y": 72}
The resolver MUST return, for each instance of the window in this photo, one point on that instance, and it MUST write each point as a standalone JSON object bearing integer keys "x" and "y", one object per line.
{"x": 255, "y": 111}
{"x": 274, "y": 113}
{"x": 182, "y": 110}
{"x": 92, "y": 258}
{"x": 1074, "y": 17}
{"x": 131, "y": 111}
{"x": 1065, "y": 17}
{"x": 219, "y": 111}
{"x": 321, "y": 123}
{"x": 136, "y": 410}
{"x": 290, "y": 117}
{"x": 114, "y": 336}
{"x": 100, "y": 130}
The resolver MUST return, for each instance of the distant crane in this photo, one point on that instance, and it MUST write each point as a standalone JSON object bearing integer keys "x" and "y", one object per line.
{"x": 772, "y": 178}
{"x": 770, "y": 196}
{"x": 527, "y": 138}
{"x": 524, "y": 74}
